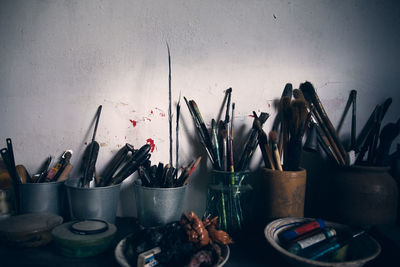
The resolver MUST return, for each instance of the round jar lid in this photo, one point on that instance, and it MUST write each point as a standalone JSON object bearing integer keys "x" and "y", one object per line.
{"x": 89, "y": 227}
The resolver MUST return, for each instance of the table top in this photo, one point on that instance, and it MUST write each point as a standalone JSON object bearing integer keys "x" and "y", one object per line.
{"x": 251, "y": 250}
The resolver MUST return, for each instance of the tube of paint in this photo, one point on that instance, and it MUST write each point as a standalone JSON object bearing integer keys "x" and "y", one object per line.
{"x": 291, "y": 234}
{"x": 299, "y": 245}
{"x": 329, "y": 246}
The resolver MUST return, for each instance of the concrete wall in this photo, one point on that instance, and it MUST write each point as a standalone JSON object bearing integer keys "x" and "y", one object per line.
{"x": 59, "y": 60}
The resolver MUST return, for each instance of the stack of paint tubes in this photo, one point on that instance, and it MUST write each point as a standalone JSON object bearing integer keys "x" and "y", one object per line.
{"x": 314, "y": 240}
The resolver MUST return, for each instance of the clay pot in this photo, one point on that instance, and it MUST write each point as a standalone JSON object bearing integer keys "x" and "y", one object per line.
{"x": 283, "y": 193}
{"x": 362, "y": 195}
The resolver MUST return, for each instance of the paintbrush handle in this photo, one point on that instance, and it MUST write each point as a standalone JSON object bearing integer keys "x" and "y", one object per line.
{"x": 265, "y": 150}
{"x": 326, "y": 146}
{"x": 277, "y": 157}
{"x": 332, "y": 143}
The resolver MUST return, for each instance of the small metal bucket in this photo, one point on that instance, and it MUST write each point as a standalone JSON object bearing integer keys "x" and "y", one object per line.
{"x": 158, "y": 206}
{"x": 92, "y": 203}
{"x": 41, "y": 197}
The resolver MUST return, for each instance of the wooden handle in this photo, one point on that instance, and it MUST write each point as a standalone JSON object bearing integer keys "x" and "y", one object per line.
{"x": 277, "y": 158}
{"x": 64, "y": 174}
{"x": 22, "y": 173}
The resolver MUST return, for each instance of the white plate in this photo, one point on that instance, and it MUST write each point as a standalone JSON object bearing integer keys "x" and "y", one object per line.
{"x": 121, "y": 259}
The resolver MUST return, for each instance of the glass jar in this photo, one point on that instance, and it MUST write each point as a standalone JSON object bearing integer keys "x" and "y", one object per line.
{"x": 229, "y": 197}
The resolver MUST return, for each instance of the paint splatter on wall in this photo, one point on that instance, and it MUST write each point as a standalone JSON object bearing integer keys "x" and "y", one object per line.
{"x": 133, "y": 122}
{"x": 151, "y": 143}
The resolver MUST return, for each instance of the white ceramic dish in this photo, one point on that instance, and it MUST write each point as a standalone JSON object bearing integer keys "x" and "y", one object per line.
{"x": 367, "y": 247}
{"x": 122, "y": 260}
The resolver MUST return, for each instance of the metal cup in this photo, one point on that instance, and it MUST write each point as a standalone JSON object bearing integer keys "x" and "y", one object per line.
{"x": 41, "y": 197}
{"x": 158, "y": 206}
{"x": 92, "y": 203}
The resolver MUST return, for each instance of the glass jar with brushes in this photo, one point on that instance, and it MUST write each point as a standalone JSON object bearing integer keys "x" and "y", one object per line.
{"x": 229, "y": 197}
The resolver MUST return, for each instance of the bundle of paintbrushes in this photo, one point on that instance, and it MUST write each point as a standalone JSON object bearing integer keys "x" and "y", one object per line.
{"x": 127, "y": 161}
{"x": 373, "y": 143}
{"x": 160, "y": 176}
{"x": 228, "y": 191}
{"x": 219, "y": 143}
{"x": 285, "y": 138}
{"x": 327, "y": 136}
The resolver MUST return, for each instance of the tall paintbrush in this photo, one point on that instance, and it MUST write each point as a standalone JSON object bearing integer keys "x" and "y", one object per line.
{"x": 178, "y": 112}
{"x": 298, "y": 117}
{"x": 169, "y": 106}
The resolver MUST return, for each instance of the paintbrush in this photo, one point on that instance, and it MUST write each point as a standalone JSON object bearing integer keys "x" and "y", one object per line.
{"x": 350, "y": 101}
{"x": 169, "y": 105}
{"x": 203, "y": 131}
{"x": 287, "y": 92}
{"x": 215, "y": 143}
{"x": 328, "y": 138}
{"x": 353, "y": 120}
{"x": 273, "y": 138}
{"x": 297, "y": 119}
{"x": 251, "y": 143}
{"x": 200, "y": 132}
{"x": 224, "y": 138}
{"x": 119, "y": 158}
{"x": 227, "y": 123}
{"x": 362, "y": 137}
{"x": 232, "y": 161}
{"x": 192, "y": 168}
{"x": 263, "y": 143}
{"x": 284, "y": 130}
{"x": 312, "y": 97}
{"x": 93, "y": 153}
{"x": 375, "y": 135}
{"x": 178, "y": 112}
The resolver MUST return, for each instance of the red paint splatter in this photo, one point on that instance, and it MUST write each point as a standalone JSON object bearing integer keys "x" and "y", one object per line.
{"x": 133, "y": 123}
{"x": 145, "y": 118}
{"x": 251, "y": 116}
{"x": 162, "y": 114}
{"x": 151, "y": 112}
{"x": 151, "y": 143}
{"x": 269, "y": 105}
{"x": 85, "y": 143}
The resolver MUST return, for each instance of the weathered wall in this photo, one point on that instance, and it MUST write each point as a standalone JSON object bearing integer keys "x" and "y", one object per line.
{"x": 59, "y": 60}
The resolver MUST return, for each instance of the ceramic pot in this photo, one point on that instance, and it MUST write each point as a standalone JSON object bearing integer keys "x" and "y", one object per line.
{"x": 362, "y": 195}
{"x": 284, "y": 193}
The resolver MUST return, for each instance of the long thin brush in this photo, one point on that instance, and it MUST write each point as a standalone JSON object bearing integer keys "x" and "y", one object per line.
{"x": 169, "y": 106}
{"x": 224, "y": 136}
{"x": 299, "y": 115}
{"x": 232, "y": 161}
{"x": 215, "y": 143}
{"x": 228, "y": 123}
{"x": 178, "y": 112}
{"x": 353, "y": 120}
